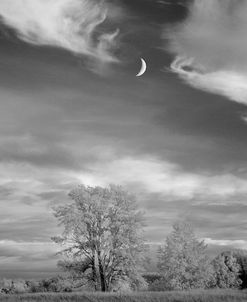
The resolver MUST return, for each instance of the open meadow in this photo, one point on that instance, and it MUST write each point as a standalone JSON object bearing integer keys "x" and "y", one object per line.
{"x": 190, "y": 296}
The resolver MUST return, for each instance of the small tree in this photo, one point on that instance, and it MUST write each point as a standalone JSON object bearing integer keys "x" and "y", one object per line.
{"x": 226, "y": 271}
{"x": 182, "y": 260}
{"x": 102, "y": 236}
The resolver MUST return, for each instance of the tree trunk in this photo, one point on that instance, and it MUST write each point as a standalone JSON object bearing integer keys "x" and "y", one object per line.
{"x": 102, "y": 274}
{"x": 94, "y": 272}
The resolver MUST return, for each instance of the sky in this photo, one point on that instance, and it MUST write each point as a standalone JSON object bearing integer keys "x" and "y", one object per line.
{"x": 72, "y": 111}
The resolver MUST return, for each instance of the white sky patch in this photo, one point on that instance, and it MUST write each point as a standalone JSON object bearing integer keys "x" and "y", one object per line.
{"x": 210, "y": 48}
{"x": 238, "y": 244}
{"x": 69, "y": 24}
{"x": 151, "y": 175}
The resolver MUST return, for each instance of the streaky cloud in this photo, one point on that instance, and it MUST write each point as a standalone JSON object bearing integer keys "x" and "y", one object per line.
{"x": 151, "y": 175}
{"x": 228, "y": 83}
{"x": 237, "y": 243}
{"x": 69, "y": 24}
{"x": 210, "y": 48}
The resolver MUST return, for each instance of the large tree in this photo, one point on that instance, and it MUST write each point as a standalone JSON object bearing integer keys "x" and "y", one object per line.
{"x": 102, "y": 236}
{"x": 182, "y": 260}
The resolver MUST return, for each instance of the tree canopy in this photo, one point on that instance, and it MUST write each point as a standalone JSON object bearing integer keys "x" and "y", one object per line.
{"x": 182, "y": 260}
{"x": 226, "y": 271}
{"x": 241, "y": 257}
{"x": 102, "y": 236}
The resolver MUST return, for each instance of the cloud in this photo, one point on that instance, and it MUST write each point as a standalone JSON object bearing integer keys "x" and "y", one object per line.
{"x": 151, "y": 175}
{"x": 69, "y": 24}
{"x": 27, "y": 249}
{"x": 227, "y": 83}
{"x": 34, "y": 168}
{"x": 27, "y": 259}
{"x": 148, "y": 173}
{"x": 238, "y": 244}
{"x": 210, "y": 48}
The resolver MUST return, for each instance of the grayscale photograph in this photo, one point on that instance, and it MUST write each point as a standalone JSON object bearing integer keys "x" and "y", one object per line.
{"x": 123, "y": 150}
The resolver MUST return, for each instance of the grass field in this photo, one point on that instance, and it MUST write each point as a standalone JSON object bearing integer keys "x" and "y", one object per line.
{"x": 194, "y": 296}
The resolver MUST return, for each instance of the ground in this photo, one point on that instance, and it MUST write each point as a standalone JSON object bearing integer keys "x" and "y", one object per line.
{"x": 192, "y": 296}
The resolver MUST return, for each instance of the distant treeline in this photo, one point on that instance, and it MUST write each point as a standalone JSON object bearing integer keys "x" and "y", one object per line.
{"x": 55, "y": 284}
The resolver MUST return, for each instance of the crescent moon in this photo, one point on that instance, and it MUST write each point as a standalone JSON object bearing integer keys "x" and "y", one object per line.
{"x": 143, "y": 68}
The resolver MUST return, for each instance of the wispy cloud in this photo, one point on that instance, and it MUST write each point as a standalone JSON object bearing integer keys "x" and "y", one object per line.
{"x": 142, "y": 175}
{"x": 241, "y": 244}
{"x": 27, "y": 249}
{"x": 69, "y": 24}
{"x": 151, "y": 175}
{"x": 210, "y": 48}
{"x": 228, "y": 83}
{"x": 27, "y": 258}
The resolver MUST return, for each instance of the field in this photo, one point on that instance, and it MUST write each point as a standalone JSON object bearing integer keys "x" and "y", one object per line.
{"x": 194, "y": 296}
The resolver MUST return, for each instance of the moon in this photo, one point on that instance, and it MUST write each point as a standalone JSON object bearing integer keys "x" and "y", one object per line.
{"x": 143, "y": 68}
